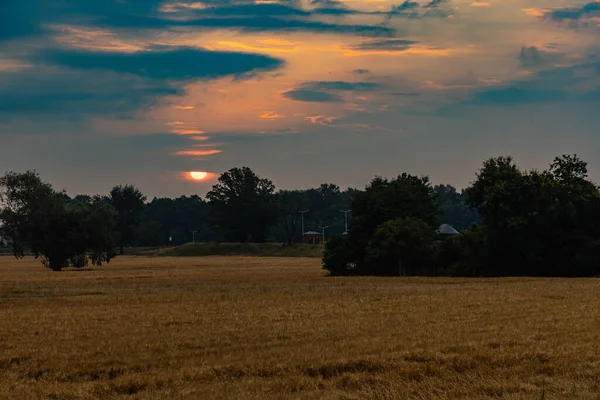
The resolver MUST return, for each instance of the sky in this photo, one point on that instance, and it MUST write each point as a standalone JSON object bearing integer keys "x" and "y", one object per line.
{"x": 99, "y": 93}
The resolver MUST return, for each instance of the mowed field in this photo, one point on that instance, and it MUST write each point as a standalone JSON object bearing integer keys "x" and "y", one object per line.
{"x": 277, "y": 328}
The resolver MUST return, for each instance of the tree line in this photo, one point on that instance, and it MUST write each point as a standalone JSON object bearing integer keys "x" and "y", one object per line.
{"x": 242, "y": 207}
{"x": 532, "y": 223}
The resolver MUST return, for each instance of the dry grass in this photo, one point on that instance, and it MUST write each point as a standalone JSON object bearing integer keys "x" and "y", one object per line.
{"x": 261, "y": 328}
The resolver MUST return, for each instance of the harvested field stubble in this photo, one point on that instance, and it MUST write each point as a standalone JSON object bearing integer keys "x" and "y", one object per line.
{"x": 234, "y": 327}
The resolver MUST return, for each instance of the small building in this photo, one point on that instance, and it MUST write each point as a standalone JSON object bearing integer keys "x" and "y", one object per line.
{"x": 446, "y": 229}
{"x": 312, "y": 237}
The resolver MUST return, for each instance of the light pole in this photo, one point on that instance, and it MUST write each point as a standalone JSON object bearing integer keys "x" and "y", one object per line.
{"x": 346, "y": 218}
{"x": 302, "y": 213}
{"x": 193, "y": 236}
{"x": 323, "y": 230}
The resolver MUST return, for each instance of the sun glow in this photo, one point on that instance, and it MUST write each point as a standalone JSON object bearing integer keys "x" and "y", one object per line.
{"x": 198, "y": 175}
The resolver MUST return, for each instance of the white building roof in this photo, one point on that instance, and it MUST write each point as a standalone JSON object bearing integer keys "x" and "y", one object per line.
{"x": 447, "y": 230}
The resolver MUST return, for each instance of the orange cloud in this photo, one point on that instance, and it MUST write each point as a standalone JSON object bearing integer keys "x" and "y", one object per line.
{"x": 480, "y": 4}
{"x": 184, "y": 107}
{"x": 175, "y": 123}
{"x": 187, "y": 131}
{"x": 270, "y": 115}
{"x": 197, "y": 152}
{"x": 278, "y": 42}
{"x": 244, "y": 46}
{"x": 535, "y": 12}
{"x": 200, "y": 138}
{"x": 321, "y": 119}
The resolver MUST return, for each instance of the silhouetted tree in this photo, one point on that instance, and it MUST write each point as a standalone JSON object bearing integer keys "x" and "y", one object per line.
{"x": 406, "y": 197}
{"x": 401, "y": 246}
{"x": 243, "y": 206}
{"x": 64, "y": 233}
{"x": 165, "y": 218}
{"x": 538, "y": 223}
{"x": 129, "y": 203}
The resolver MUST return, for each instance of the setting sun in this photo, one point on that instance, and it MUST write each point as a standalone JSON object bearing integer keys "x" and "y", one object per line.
{"x": 198, "y": 175}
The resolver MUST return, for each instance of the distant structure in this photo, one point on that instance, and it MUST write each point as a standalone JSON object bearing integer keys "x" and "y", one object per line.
{"x": 312, "y": 237}
{"x": 446, "y": 229}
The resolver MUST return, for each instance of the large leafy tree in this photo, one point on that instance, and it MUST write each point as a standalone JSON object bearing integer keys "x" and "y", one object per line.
{"x": 64, "y": 233}
{"x": 129, "y": 203}
{"x": 243, "y": 206}
{"x": 538, "y": 223}
{"x": 406, "y": 197}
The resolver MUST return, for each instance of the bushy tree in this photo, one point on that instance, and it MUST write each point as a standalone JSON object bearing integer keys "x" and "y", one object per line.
{"x": 538, "y": 223}
{"x": 243, "y": 206}
{"x": 64, "y": 233}
{"x": 406, "y": 198}
{"x": 401, "y": 246}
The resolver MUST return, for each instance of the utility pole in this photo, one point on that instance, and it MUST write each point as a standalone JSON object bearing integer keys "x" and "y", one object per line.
{"x": 302, "y": 213}
{"x": 346, "y": 218}
{"x": 193, "y": 236}
{"x": 323, "y": 230}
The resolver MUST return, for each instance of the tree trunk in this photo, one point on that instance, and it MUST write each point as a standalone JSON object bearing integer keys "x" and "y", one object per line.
{"x": 121, "y": 250}
{"x": 54, "y": 265}
{"x": 400, "y": 267}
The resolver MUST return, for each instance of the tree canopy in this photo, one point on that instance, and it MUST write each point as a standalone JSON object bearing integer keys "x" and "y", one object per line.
{"x": 64, "y": 233}
{"x": 242, "y": 205}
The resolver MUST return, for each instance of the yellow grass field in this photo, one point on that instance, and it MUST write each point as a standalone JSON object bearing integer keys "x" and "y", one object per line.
{"x": 277, "y": 328}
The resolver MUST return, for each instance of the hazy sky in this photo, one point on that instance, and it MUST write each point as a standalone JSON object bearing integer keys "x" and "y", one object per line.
{"x": 105, "y": 92}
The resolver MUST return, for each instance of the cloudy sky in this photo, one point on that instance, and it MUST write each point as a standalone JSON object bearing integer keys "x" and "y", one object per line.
{"x": 98, "y": 93}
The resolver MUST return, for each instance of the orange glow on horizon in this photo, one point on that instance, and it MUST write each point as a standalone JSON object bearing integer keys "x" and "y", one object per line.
{"x": 197, "y": 152}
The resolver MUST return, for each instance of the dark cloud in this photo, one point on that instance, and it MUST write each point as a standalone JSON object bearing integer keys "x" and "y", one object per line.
{"x": 326, "y": 91}
{"x": 407, "y": 5}
{"x": 166, "y": 63}
{"x": 79, "y": 82}
{"x": 29, "y": 17}
{"x": 332, "y": 7}
{"x": 532, "y": 57}
{"x": 516, "y": 96}
{"x": 16, "y": 21}
{"x": 435, "y": 3}
{"x": 265, "y": 24}
{"x": 256, "y": 9}
{"x": 54, "y": 93}
{"x": 361, "y": 71}
{"x": 386, "y": 44}
{"x": 575, "y": 13}
{"x": 313, "y": 96}
{"x": 410, "y": 9}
